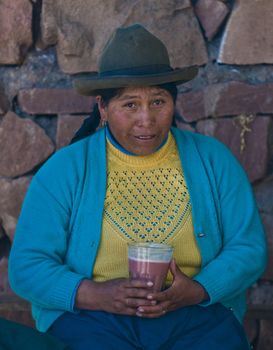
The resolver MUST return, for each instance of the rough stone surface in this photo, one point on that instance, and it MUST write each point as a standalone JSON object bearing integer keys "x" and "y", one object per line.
{"x": 66, "y": 128}
{"x": 247, "y": 138}
{"x": 183, "y": 126}
{"x": 4, "y": 284}
{"x": 80, "y": 32}
{"x": 15, "y": 30}
{"x": 54, "y": 101}
{"x": 268, "y": 226}
{"x": 23, "y": 145}
{"x": 266, "y": 338}
{"x": 261, "y": 294}
{"x": 4, "y": 102}
{"x": 252, "y": 20}
{"x": 211, "y": 14}
{"x": 264, "y": 195}
{"x": 12, "y": 196}
{"x": 252, "y": 329}
{"x": 23, "y": 317}
{"x": 226, "y": 99}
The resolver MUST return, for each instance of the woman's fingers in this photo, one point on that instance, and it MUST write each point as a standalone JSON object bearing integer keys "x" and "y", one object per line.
{"x": 152, "y": 311}
{"x": 138, "y": 284}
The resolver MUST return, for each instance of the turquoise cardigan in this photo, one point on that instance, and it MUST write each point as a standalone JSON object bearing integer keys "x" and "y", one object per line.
{"x": 59, "y": 228}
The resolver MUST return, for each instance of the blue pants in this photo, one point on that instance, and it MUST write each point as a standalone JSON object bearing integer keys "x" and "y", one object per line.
{"x": 190, "y": 328}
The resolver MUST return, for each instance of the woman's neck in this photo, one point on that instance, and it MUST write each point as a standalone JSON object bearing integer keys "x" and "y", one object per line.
{"x": 115, "y": 143}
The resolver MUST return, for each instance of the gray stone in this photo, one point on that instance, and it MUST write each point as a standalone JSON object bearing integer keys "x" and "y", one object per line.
{"x": 261, "y": 294}
{"x": 268, "y": 226}
{"x": 211, "y": 14}
{"x": 265, "y": 337}
{"x": 4, "y": 283}
{"x": 246, "y": 136}
{"x": 15, "y": 30}
{"x": 12, "y": 196}
{"x": 182, "y": 125}
{"x": 248, "y": 37}
{"x": 54, "y": 101}
{"x": 80, "y": 29}
{"x": 225, "y": 99}
{"x": 251, "y": 328}
{"x": 23, "y": 145}
{"x": 4, "y": 102}
{"x": 264, "y": 195}
{"x": 66, "y": 128}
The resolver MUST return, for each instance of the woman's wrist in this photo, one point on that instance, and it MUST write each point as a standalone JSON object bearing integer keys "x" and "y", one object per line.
{"x": 202, "y": 293}
{"x": 86, "y": 296}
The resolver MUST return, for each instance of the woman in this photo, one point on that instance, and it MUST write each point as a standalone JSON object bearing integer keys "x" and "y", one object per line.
{"x": 138, "y": 179}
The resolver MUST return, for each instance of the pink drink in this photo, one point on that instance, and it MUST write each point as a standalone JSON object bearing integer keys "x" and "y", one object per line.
{"x": 149, "y": 262}
{"x": 155, "y": 271}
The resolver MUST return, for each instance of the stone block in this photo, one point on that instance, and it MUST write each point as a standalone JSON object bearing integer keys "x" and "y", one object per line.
{"x": 67, "y": 126}
{"x": 251, "y": 328}
{"x": 4, "y": 282}
{"x": 211, "y": 14}
{"x": 23, "y": 145}
{"x": 183, "y": 126}
{"x": 261, "y": 294}
{"x": 15, "y": 30}
{"x": 20, "y": 316}
{"x": 4, "y": 102}
{"x": 12, "y": 196}
{"x": 248, "y": 37}
{"x": 226, "y": 99}
{"x": 54, "y": 101}
{"x": 266, "y": 336}
{"x": 80, "y": 31}
{"x": 268, "y": 226}
{"x": 246, "y": 136}
{"x": 264, "y": 195}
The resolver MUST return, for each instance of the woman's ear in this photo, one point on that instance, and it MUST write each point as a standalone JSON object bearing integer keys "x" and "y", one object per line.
{"x": 102, "y": 108}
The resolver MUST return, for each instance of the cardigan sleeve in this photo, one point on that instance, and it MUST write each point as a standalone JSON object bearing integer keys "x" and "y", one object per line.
{"x": 242, "y": 257}
{"x": 37, "y": 268}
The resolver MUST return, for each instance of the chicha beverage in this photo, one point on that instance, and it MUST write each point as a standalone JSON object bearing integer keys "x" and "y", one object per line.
{"x": 149, "y": 262}
{"x": 155, "y": 271}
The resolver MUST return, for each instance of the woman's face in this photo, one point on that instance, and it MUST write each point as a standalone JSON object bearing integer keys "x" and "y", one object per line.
{"x": 139, "y": 118}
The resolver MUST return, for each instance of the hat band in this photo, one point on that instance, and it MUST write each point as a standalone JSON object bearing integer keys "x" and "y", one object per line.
{"x": 152, "y": 69}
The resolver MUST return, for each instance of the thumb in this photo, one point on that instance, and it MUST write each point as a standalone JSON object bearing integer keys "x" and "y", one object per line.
{"x": 173, "y": 267}
{"x": 175, "y": 270}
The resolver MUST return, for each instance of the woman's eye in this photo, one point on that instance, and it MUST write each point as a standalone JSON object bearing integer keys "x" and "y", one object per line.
{"x": 158, "y": 102}
{"x": 130, "y": 105}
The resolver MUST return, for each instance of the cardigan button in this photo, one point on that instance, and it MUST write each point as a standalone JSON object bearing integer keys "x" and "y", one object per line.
{"x": 201, "y": 234}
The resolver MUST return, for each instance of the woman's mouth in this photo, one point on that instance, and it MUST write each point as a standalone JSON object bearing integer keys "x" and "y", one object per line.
{"x": 145, "y": 137}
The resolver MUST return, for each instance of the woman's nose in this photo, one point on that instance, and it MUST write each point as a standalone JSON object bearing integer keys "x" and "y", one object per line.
{"x": 145, "y": 117}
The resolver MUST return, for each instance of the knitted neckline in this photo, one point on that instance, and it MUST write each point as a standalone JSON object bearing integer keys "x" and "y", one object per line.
{"x": 140, "y": 161}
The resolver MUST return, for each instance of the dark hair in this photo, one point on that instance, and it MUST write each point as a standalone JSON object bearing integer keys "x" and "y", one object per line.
{"x": 91, "y": 124}
{"x": 108, "y": 94}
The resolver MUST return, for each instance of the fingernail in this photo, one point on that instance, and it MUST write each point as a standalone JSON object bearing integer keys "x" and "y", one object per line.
{"x": 140, "y": 309}
{"x": 153, "y": 302}
{"x": 150, "y": 284}
{"x": 138, "y": 314}
{"x": 149, "y": 296}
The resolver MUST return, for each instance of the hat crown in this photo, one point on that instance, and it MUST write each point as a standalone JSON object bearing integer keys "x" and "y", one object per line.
{"x": 132, "y": 47}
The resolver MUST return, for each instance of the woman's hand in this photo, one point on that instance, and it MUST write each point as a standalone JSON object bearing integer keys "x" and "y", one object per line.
{"x": 120, "y": 296}
{"x": 183, "y": 292}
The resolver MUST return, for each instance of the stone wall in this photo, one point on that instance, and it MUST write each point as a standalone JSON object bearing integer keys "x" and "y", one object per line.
{"x": 45, "y": 44}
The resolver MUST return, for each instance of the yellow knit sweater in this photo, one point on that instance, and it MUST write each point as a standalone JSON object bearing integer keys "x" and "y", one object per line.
{"x": 147, "y": 200}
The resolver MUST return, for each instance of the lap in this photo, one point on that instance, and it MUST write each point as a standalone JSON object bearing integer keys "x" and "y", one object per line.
{"x": 192, "y": 328}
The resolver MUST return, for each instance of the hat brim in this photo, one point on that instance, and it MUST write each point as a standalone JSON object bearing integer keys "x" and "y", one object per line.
{"x": 90, "y": 86}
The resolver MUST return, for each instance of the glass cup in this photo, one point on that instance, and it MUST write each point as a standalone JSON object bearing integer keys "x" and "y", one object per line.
{"x": 150, "y": 262}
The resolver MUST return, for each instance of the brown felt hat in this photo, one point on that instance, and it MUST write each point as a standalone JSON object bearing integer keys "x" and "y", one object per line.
{"x": 133, "y": 57}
